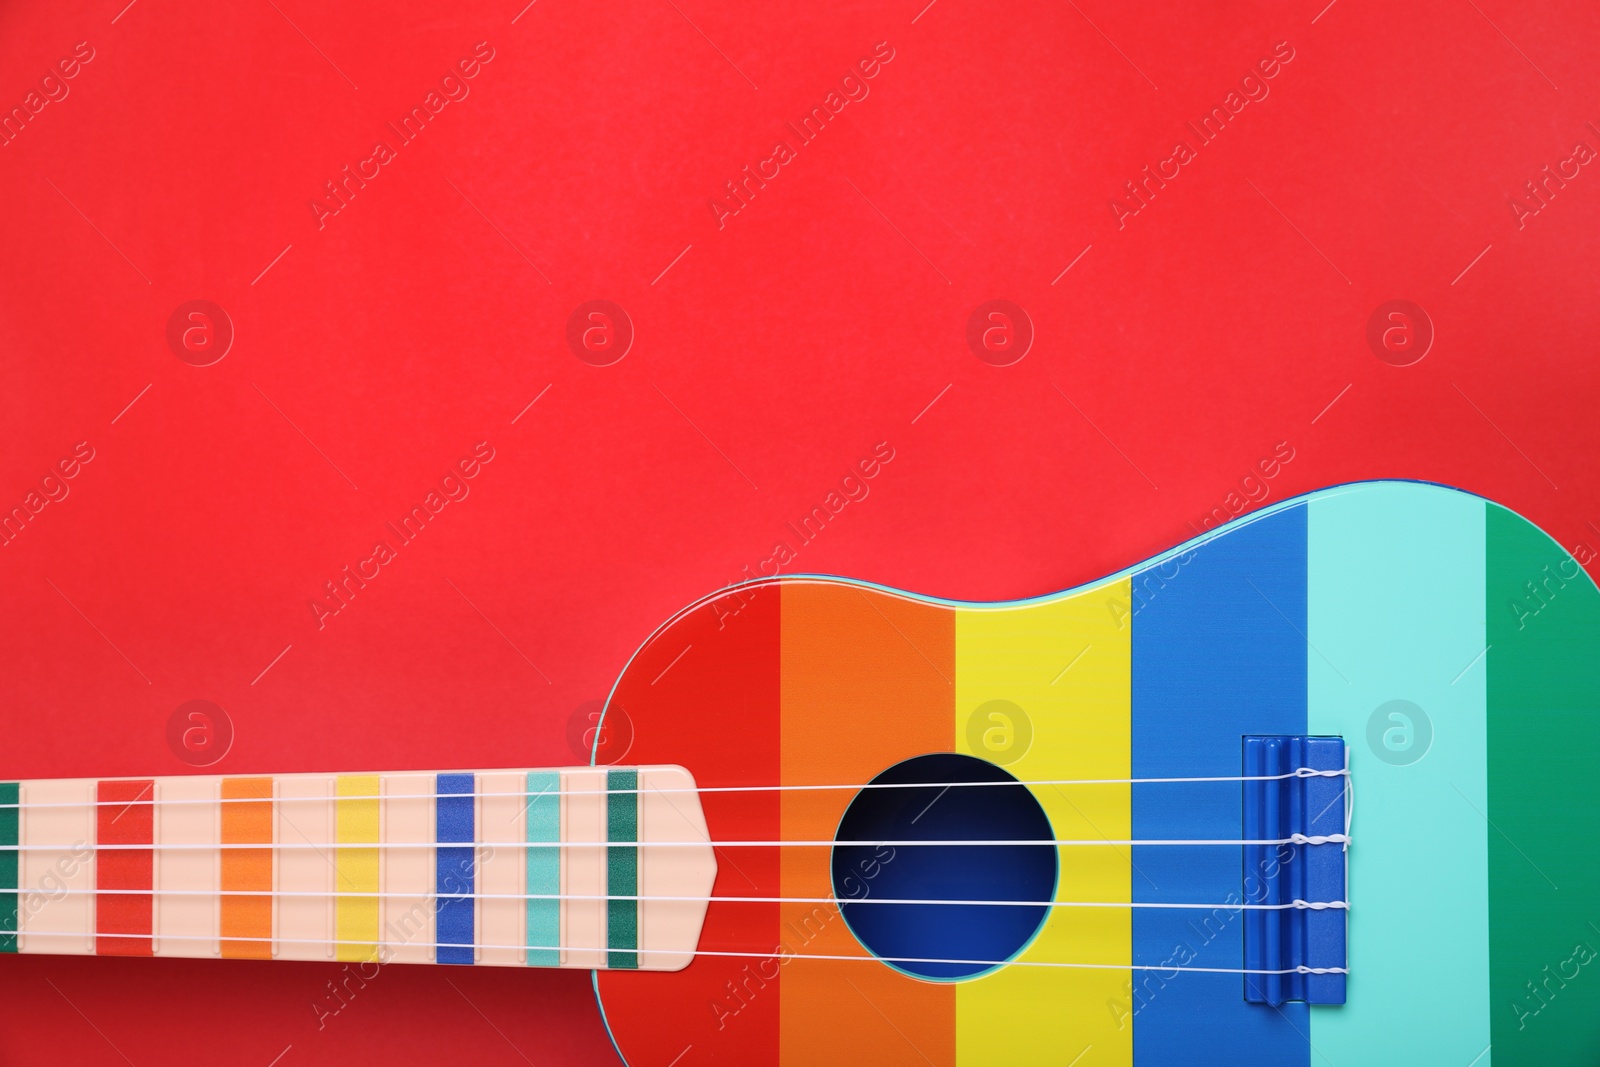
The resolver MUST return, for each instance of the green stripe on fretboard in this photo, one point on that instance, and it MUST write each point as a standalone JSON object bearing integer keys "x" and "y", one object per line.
{"x": 622, "y": 869}
{"x": 9, "y": 819}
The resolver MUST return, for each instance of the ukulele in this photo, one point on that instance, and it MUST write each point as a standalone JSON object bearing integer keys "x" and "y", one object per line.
{"x": 828, "y": 822}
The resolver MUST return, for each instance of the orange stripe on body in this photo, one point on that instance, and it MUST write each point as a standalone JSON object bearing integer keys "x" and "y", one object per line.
{"x": 247, "y": 870}
{"x": 867, "y": 682}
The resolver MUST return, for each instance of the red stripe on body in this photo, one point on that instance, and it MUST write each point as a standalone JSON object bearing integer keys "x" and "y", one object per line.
{"x": 704, "y": 694}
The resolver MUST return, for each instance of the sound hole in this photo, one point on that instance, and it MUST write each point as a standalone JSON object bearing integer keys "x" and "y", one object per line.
{"x": 974, "y": 937}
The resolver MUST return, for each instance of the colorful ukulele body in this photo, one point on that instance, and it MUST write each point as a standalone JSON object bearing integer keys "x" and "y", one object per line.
{"x": 1312, "y": 787}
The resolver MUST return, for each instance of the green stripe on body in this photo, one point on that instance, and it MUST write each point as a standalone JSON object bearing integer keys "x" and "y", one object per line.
{"x": 9, "y": 821}
{"x": 544, "y": 869}
{"x": 622, "y": 869}
{"x": 1544, "y": 804}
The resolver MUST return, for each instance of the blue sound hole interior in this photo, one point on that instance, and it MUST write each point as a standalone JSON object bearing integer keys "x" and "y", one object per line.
{"x": 978, "y": 936}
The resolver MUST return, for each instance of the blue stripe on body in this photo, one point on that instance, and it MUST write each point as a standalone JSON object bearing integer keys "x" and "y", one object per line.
{"x": 1219, "y": 651}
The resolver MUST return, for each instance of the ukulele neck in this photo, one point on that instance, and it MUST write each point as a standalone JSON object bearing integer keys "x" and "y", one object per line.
{"x": 545, "y": 868}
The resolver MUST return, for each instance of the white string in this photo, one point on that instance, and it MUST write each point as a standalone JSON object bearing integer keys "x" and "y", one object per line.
{"x": 1296, "y": 905}
{"x": 695, "y": 952}
{"x": 1300, "y": 772}
{"x": 1292, "y": 839}
{"x": 1349, "y": 805}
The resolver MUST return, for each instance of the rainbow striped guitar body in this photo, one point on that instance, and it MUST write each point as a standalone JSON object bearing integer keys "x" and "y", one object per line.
{"x": 1314, "y": 787}
{"x": 1447, "y": 644}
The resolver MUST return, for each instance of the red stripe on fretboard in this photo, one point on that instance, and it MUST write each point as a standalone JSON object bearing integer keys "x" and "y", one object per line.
{"x": 119, "y": 821}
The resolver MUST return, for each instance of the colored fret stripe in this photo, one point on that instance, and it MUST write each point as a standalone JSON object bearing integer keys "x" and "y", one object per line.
{"x": 123, "y": 920}
{"x": 455, "y": 872}
{"x": 356, "y": 918}
{"x": 10, "y": 818}
{"x": 247, "y": 820}
{"x": 622, "y": 868}
{"x": 544, "y": 869}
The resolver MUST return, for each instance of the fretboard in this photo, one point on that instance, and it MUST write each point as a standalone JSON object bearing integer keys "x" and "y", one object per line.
{"x": 546, "y": 868}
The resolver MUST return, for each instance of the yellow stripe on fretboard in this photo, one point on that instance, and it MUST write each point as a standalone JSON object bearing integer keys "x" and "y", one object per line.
{"x": 356, "y": 925}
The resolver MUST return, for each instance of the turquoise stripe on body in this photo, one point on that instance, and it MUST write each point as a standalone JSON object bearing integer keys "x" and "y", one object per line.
{"x": 1396, "y": 613}
{"x": 544, "y": 869}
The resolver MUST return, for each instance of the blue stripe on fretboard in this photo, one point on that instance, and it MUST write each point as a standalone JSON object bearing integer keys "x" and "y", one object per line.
{"x": 544, "y": 869}
{"x": 455, "y": 868}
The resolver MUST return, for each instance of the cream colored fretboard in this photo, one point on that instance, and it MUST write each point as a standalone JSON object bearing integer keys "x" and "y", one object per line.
{"x": 548, "y": 868}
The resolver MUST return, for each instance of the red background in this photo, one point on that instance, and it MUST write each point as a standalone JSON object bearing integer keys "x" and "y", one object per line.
{"x": 823, "y": 318}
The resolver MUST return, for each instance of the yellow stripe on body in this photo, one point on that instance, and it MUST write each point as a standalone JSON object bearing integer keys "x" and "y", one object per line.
{"x": 356, "y": 822}
{"x": 1080, "y": 721}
